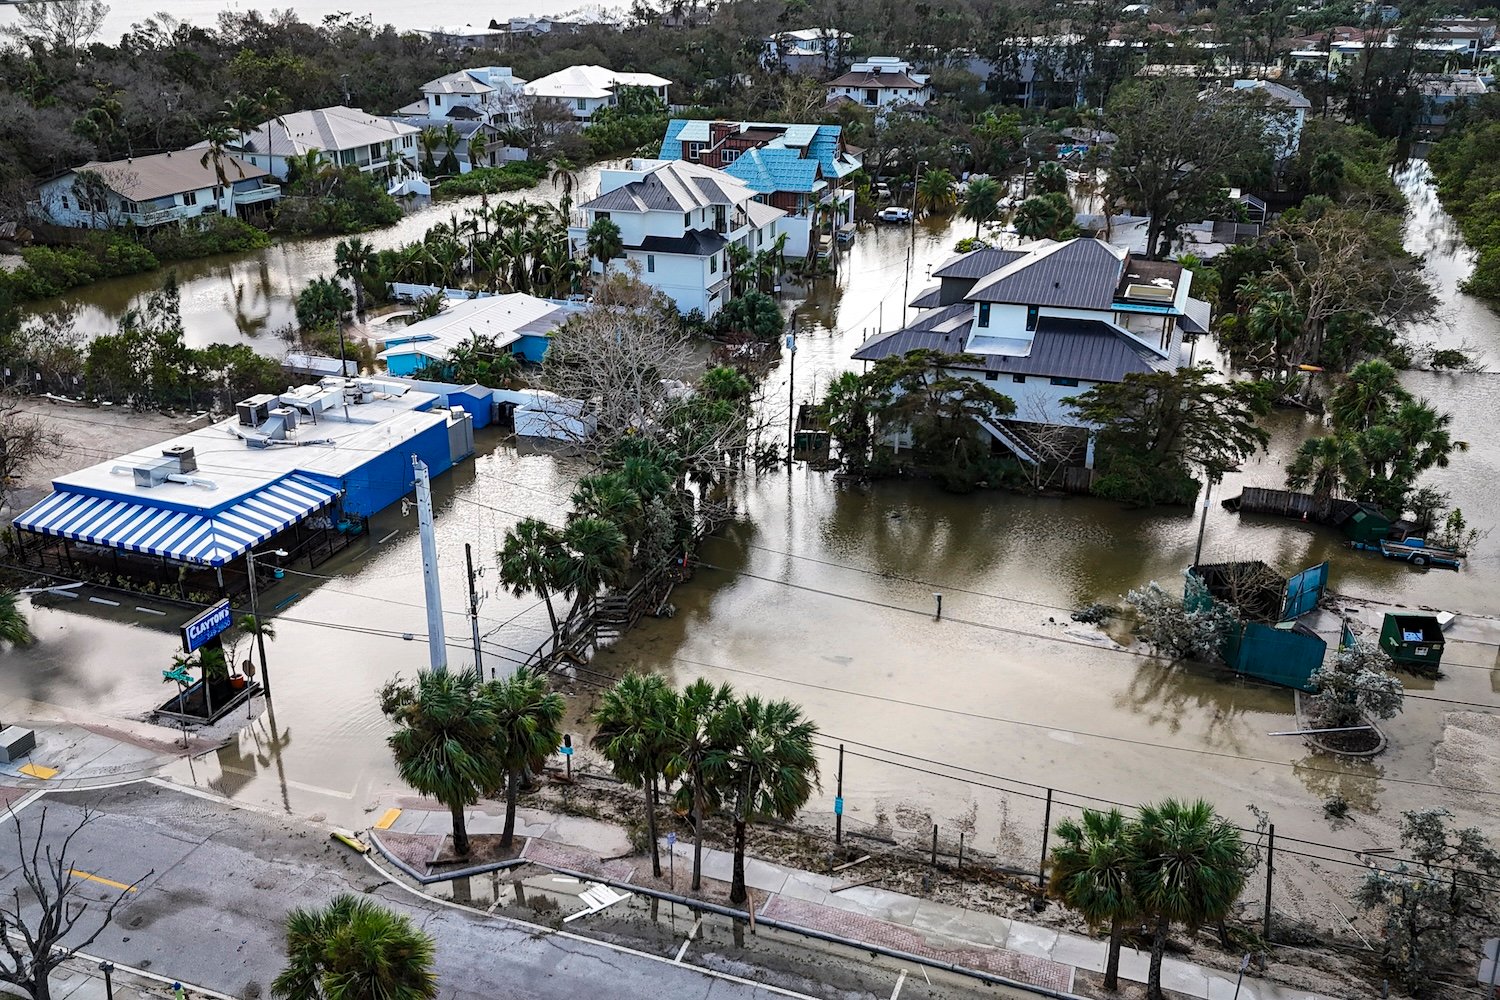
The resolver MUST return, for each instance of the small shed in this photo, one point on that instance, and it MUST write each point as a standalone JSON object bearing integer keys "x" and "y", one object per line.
{"x": 1413, "y": 640}
{"x": 1366, "y": 523}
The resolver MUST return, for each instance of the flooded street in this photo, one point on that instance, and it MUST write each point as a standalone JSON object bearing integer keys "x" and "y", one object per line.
{"x": 823, "y": 593}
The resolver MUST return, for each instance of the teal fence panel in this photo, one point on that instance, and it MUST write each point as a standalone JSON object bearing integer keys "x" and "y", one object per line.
{"x": 1282, "y": 656}
{"x": 1304, "y": 591}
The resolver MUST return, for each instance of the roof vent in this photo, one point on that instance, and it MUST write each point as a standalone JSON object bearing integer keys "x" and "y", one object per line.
{"x": 1150, "y": 293}
{"x": 183, "y": 456}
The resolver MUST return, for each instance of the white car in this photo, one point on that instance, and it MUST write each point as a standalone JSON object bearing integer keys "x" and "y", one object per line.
{"x": 894, "y": 213}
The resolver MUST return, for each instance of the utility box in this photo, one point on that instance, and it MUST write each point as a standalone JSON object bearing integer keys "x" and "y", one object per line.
{"x": 1413, "y": 640}
{"x": 16, "y": 743}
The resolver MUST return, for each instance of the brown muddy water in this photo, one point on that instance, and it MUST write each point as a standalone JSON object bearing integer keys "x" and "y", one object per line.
{"x": 822, "y": 593}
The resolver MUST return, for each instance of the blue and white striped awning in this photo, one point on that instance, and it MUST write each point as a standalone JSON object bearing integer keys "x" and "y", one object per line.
{"x": 208, "y": 540}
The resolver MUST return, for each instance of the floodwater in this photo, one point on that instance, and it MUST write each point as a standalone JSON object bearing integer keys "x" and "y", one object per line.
{"x": 249, "y": 297}
{"x": 403, "y": 15}
{"x": 823, "y": 593}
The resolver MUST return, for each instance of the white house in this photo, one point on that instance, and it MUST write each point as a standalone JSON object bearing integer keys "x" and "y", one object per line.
{"x": 880, "y": 82}
{"x": 344, "y": 137}
{"x": 466, "y": 36}
{"x": 585, "y": 89}
{"x": 517, "y": 323}
{"x": 1290, "y": 108}
{"x": 677, "y": 221}
{"x": 1047, "y": 320}
{"x": 155, "y": 190}
{"x": 805, "y": 50}
{"x": 490, "y": 94}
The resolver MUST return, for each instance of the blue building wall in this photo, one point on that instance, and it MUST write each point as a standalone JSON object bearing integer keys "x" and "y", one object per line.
{"x": 531, "y": 348}
{"x": 404, "y": 364}
{"x": 386, "y": 478}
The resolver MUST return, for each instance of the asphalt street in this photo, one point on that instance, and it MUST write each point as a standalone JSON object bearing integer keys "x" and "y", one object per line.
{"x": 212, "y": 885}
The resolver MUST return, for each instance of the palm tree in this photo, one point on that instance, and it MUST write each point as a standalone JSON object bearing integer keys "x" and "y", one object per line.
{"x": 14, "y": 628}
{"x": 1324, "y": 465}
{"x": 1051, "y": 176}
{"x": 530, "y": 562}
{"x": 1371, "y": 392}
{"x": 243, "y": 114}
{"x": 690, "y": 739}
{"x": 763, "y": 765}
{"x": 1425, "y": 435}
{"x": 477, "y": 145}
{"x": 630, "y": 731}
{"x": 563, "y": 177}
{"x": 1191, "y": 869}
{"x": 604, "y": 242}
{"x": 1092, "y": 866}
{"x": 848, "y": 404}
{"x": 353, "y": 257}
{"x": 1042, "y": 216}
{"x": 528, "y": 718}
{"x": 1327, "y": 174}
{"x": 1275, "y": 320}
{"x": 260, "y": 630}
{"x": 606, "y": 496}
{"x": 353, "y": 949}
{"x": 428, "y": 139}
{"x": 981, "y": 202}
{"x": 597, "y": 557}
{"x": 451, "y": 140}
{"x": 937, "y": 193}
{"x": 218, "y": 137}
{"x": 445, "y": 743}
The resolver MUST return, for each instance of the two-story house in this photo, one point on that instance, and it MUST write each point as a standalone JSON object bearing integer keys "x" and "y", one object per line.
{"x": 800, "y": 169}
{"x": 817, "y": 51}
{"x": 880, "y": 82}
{"x": 489, "y": 94}
{"x": 677, "y": 221}
{"x": 155, "y": 190}
{"x": 585, "y": 89}
{"x": 1047, "y": 320}
{"x": 343, "y": 137}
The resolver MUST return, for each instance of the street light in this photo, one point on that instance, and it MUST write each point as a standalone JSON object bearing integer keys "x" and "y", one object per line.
{"x": 107, "y": 967}
{"x": 260, "y": 636}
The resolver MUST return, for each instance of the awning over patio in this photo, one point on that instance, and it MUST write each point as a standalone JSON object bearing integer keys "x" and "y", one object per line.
{"x": 208, "y": 540}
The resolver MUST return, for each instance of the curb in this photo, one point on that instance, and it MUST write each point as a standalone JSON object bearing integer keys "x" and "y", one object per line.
{"x": 412, "y": 873}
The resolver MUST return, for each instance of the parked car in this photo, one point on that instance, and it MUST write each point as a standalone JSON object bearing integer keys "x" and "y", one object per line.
{"x": 894, "y": 213}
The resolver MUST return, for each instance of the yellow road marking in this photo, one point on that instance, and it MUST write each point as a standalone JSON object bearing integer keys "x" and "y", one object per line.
{"x": 102, "y": 880}
{"x": 384, "y": 823}
{"x": 38, "y": 771}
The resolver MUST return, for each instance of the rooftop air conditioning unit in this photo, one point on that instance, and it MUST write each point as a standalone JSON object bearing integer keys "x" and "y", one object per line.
{"x": 1150, "y": 293}
{"x": 183, "y": 456}
{"x": 154, "y": 473}
{"x": 253, "y": 411}
{"x": 288, "y": 416}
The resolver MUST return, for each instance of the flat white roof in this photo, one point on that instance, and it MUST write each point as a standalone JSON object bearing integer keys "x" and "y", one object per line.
{"x": 506, "y": 318}
{"x": 334, "y": 445}
{"x": 590, "y": 82}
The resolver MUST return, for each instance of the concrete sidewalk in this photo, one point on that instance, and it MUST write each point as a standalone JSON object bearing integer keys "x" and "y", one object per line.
{"x": 1018, "y": 950}
{"x": 81, "y": 978}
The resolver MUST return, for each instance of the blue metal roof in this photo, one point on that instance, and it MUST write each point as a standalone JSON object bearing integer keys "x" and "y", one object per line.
{"x": 208, "y": 540}
{"x": 776, "y": 171}
{"x": 767, "y": 170}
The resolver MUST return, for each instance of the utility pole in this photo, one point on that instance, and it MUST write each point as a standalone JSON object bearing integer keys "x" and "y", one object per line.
{"x": 791, "y": 389}
{"x": 838, "y": 802}
{"x": 1208, "y": 489}
{"x": 474, "y": 609}
{"x": 437, "y": 640}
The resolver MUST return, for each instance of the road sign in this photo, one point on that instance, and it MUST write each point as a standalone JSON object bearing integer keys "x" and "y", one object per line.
{"x": 178, "y": 674}
{"x": 214, "y": 621}
{"x": 672, "y": 839}
{"x": 565, "y": 751}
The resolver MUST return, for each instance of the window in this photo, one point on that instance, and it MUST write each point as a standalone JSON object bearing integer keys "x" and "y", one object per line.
{"x": 1031, "y": 317}
{"x": 65, "y": 202}
{"x": 1018, "y": 378}
{"x": 375, "y": 152}
{"x": 991, "y": 376}
{"x": 580, "y": 104}
{"x": 218, "y": 192}
{"x": 651, "y": 263}
{"x": 1064, "y": 381}
{"x": 190, "y": 197}
{"x": 437, "y": 99}
{"x": 687, "y": 220}
{"x": 728, "y": 156}
{"x": 984, "y": 314}
{"x": 600, "y": 215}
{"x": 713, "y": 264}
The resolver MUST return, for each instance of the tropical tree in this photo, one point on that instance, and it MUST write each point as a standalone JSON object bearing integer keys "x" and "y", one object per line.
{"x": 243, "y": 113}
{"x": 530, "y": 561}
{"x": 528, "y": 720}
{"x": 691, "y": 738}
{"x": 596, "y": 557}
{"x": 763, "y": 765}
{"x": 14, "y": 629}
{"x": 1092, "y": 867}
{"x": 217, "y": 136}
{"x": 478, "y": 146}
{"x": 631, "y": 730}
{"x": 429, "y": 139}
{"x": 607, "y": 496}
{"x": 937, "y": 193}
{"x": 1327, "y": 174}
{"x": 354, "y": 258}
{"x": 353, "y": 949}
{"x": 1052, "y": 177}
{"x": 446, "y": 741}
{"x": 1275, "y": 321}
{"x": 1367, "y": 396}
{"x": 604, "y": 242}
{"x": 261, "y": 631}
{"x": 451, "y": 139}
{"x": 1324, "y": 466}
{"x": 847, "y": 405}
{"x": 1043, "y": 216}
{"x": 981, "y": 202}
{"x": 1191, "y": 869}
{"x": 324, "y": 304}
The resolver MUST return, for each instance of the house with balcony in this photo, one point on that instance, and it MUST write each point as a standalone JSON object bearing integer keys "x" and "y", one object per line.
{"x": 155, "y": 190}
{"x": 341, "y": 137}
{"x": 677, "y": 221}
{"x": 800, "y": 169}
{"x": 815, "y": 51}
{"x": 880, "y": 82}
{"x": 1045, "y": 321}
{"x": 488, "y": 94}
{"x": 585, "y": 89}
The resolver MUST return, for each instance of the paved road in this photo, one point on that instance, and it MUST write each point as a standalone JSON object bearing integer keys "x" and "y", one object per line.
{"x": 221, "y": 881}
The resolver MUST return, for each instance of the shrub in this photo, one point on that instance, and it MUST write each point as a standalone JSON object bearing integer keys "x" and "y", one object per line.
{"x": 513, "y": 176}
{"x": 216, "y": 234}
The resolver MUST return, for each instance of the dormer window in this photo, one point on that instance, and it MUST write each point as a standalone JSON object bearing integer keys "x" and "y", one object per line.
{"x": 1032, "y": 314}
{"x": 984, "y": 314}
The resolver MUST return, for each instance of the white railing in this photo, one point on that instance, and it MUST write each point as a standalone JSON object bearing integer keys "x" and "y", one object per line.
{"x": 156, "y": 218}
{"x": 253, "y": 195}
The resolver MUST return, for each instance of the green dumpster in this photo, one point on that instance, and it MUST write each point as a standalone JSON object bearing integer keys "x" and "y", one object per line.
{"x": 1413, "y": 640}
